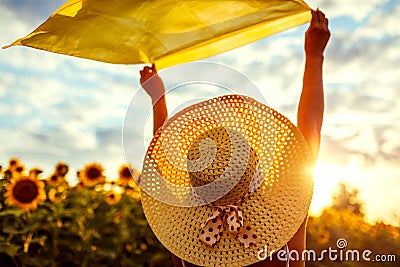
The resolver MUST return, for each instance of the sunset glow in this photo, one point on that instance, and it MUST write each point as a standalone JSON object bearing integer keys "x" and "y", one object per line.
{"x": 59, "y": 108}
{"x": 326, "y": 178}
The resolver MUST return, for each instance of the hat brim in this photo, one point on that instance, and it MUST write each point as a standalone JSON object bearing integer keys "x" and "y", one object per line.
{"x": 275, "y": 210}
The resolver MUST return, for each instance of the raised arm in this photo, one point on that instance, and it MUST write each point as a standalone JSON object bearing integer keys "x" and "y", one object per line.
{"x": 154, "y": 86}
{"x": 311, "y": 106}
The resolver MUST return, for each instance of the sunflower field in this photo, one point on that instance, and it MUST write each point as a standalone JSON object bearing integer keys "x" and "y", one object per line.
{"x": 45, "y": 221}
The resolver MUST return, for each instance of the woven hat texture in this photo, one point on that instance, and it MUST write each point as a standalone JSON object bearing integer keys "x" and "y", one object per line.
{"x": 210, "y": 156}
{"x": 214, "y": 153}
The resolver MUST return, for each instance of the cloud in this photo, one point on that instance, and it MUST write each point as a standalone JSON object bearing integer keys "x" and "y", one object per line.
{"x": 356, "y": 9}
{"x": 55, "y": 107}
{"x": 381, "y": 23}
{"x": 32, "y": 11}
{"x": 361, "y": 90}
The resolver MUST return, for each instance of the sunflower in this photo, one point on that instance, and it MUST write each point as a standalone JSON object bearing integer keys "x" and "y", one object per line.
{"x": 34, "y": 173}
{"x": 7, "y": 175}
{"x": 57, "y": 194}
{"x": 112, "y": 197}
{"x": 13, "y": 163}
{"x": 133, "y": 193}
{"x": 79, "y": 186}
{"x": 92, "y": 174}
{"x": 61, "y": 169}
{"x": 127, "y": 175}
{"x": 323, "y": 237}
{"x": 20, "y": 169}
{"x": 2, "y": 173}
{"x": 15, "y": 168}
{"x": 25, "y": 192}
{"x": 54, "y": 180}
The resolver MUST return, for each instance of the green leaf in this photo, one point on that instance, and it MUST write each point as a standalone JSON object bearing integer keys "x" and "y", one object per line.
{"x": 40, "y": 239}
{"x": 10, "y": 249}
{"x": 15, "y": 212}
{"x": 10, "y": 230}
{"x": 34, "y": 261}
{"x": 106, "y": 253}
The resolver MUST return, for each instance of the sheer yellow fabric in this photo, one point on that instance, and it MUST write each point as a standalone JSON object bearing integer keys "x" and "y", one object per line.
{"x": 162, "y": 31}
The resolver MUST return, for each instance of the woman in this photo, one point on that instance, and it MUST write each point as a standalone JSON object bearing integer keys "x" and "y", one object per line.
{"x": 309, "y": 118}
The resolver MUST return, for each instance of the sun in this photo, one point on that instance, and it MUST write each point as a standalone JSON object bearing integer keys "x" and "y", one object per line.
{"x": 326, "y": 178}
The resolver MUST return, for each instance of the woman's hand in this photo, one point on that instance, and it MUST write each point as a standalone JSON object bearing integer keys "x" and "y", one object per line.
{"x": 154, "y": 86}
{"x": 151, "y": 82}
{"x": 311, "y": 106}
{"x": 317, "y": 35}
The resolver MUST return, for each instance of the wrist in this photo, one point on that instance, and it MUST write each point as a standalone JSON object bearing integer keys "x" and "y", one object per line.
{"x": 314, "y": 56}
{"x": 156, "y": 98}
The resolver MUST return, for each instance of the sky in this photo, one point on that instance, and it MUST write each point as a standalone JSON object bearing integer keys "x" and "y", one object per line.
{"x": 60, "y": 108}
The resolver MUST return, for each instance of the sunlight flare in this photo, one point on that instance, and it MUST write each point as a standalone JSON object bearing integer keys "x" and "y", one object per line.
{"x": 326, "y": 178}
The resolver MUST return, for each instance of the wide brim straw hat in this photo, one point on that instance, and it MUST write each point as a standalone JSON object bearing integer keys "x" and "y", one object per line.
{"x": 229, "y": 151}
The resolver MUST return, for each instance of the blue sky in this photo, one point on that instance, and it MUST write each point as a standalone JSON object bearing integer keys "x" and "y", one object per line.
{"x": 59, "y": 108}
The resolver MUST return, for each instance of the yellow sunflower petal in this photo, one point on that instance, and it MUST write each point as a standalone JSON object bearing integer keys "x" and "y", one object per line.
{"x": 57, "y": 194}
{"x": 61, "y": 169}
{"x": 55, "y": 180}
{"x": 25, "y": 193}
{"x": 92, "y": 174}
{"x": 112, "y": 197}
{"x": 13, "y": 163}
{"x": 34, "y": 173}
{"x": 128, "y": 175}
{"x": 133, "y": 193}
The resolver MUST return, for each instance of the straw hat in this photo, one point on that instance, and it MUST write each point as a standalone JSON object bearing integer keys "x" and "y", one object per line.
{"x": 224, "y": 178}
